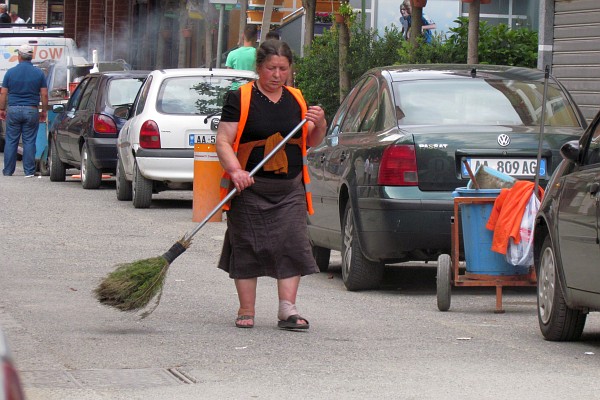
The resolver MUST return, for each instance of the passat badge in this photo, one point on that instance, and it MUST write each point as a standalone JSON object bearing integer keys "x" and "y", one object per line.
{"x": 503, "y": 140}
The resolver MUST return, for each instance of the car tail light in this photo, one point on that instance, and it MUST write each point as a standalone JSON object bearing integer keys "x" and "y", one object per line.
{"x": 104, "y": 124}
{"x": 12, "y": 386}
{"x": 150, "y": 135}
{"x": 398, "y": 166}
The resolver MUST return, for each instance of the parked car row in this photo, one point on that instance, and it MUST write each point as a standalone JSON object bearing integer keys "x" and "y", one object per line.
{"x": 154, "y": 120}
{"x": 382, "y": 179}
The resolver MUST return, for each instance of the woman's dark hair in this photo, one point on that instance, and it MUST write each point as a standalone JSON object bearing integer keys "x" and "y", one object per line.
{"x": 273, "y": 48}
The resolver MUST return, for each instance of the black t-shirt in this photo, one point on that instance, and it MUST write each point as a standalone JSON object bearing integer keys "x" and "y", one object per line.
{"x": 266, "y": 118}
{"x": 5, "y": 18}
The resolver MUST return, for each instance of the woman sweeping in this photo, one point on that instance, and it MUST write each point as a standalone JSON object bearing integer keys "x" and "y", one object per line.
{"x": 266, "y": 223}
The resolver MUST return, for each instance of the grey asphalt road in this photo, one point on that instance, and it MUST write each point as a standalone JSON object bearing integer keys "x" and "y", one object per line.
{"x": 58, "y": 241}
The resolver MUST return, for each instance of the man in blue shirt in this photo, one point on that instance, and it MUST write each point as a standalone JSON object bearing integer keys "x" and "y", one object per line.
{"x": 23, "y": 87}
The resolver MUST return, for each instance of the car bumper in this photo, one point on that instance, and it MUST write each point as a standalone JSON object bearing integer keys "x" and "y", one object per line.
{"x": 396, "y": 229}
{"x": 103, "y": 152}
{"x": 175, "y": 165}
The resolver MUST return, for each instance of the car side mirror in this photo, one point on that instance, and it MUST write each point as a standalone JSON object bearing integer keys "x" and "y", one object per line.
{"x": 58, "y": 108}
{"x": 122, "y": 112}
{"x": 570, "y": 151}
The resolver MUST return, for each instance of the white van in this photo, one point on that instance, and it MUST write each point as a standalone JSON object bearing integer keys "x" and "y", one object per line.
{"x": 44, "y": 48}
{"x": 51, "y": 52}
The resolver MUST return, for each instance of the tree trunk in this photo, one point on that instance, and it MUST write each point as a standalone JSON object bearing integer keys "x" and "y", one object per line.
{"x": 472, "y": 50}
{"x": 416, "y": 25}
{"x": 183, "y": 19}
{"x": 244, "y": 8}
{"x": 209, "y": 33}
{"x": 162, "y": 43}
{"x": 343, "y": 61}
{"x": 310, "y": 7}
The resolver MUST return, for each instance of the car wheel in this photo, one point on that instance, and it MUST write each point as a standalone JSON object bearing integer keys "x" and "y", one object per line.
{"x": 58, "y": 171}
{"x": 42, "y": 167}
{"x": 124, "y": 191}
{"x": 557, "y": 321}
{"x": 91, "y": 177}
{"x": 444, "y": 281}
{"x": 358, "y": 273}
{"x": 321, "y": 256}
{"x": 141, "y": 189}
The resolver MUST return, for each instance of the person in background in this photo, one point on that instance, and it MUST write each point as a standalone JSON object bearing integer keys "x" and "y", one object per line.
{"x": 15, "y": 18}
{"x": 23, "y": 87}
{"x": 404, "y": 21}
{"x": 266, "y": 222}
{"x": 427, "y": 24}
{"x": 4, "y": 17}
{"x": 244, "y": 57}
{"x": 272, "y": 35}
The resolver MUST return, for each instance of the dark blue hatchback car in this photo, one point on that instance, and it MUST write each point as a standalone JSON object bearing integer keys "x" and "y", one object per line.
{"x": 84, "y": 133}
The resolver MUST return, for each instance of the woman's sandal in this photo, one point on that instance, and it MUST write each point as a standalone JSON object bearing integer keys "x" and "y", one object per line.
{"x": 292, "y": 323}
{"x": 244, "y": 318}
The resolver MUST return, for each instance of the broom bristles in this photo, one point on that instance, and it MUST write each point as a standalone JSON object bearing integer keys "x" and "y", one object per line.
{"x": 133, "y": 285}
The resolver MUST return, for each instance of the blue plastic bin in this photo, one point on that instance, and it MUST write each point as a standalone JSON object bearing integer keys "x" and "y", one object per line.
{"x": 479, "y": 257}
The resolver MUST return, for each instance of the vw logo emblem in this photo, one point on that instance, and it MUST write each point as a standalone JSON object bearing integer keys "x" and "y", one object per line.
{"x": 503, "y": 140}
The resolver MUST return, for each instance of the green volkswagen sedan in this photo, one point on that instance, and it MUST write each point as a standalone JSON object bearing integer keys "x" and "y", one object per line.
{"x": 383, "y": 177}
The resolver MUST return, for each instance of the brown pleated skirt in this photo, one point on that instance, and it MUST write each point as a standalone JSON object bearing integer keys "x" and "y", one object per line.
{"x": 266, "y": 232}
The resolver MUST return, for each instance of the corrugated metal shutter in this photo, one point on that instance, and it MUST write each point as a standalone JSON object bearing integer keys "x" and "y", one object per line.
{"x": 576, "y": 51}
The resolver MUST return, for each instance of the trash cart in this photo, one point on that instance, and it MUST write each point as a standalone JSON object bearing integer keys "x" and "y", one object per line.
{"x": 483, "y": 267}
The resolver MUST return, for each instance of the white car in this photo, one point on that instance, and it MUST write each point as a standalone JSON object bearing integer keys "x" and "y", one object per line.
{"x": 174, "y": 109}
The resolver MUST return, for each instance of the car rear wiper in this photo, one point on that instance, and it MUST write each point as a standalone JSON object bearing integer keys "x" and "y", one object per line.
{"x": 211, "y": 115}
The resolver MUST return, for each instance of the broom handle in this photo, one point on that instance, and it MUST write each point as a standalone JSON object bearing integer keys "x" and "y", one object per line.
{"x": 542, "y": 124}
{"x": 191, "y": 234}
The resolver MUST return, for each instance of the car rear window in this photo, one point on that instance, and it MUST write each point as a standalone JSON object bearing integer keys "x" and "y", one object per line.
{"x": 481, "y": 102}
{"x": 122, "y": 92}
{"x": 196, "y": 95}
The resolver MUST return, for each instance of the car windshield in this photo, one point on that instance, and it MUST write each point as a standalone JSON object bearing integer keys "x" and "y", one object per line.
{"x": 123, "y": 91}
{"x": 481, "y": 102}
{"x": 200, "y": 95}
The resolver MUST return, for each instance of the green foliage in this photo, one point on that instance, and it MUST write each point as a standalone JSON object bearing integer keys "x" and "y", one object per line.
{"x": 497, "y": 45}
{"x": 317, "y": 74}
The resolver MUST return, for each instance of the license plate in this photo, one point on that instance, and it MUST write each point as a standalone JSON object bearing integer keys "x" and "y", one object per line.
{"x": 520, "y": 167}
{"x": 202, "y": 139}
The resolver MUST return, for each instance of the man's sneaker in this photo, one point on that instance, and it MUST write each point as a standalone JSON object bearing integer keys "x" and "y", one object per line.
{"x": 29, "y": 176}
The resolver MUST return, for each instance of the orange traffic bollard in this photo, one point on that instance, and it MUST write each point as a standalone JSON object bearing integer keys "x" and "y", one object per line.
{"x": 207, "y": 178}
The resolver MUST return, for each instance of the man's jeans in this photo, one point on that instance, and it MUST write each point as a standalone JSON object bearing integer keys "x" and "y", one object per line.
{"x": 20, "y": 121}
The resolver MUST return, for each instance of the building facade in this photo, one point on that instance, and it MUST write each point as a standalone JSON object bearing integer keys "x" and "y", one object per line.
{"x": 569, "y": 37}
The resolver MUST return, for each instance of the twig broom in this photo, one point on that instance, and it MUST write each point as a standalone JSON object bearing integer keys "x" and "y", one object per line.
{"x": 132, "y": 286}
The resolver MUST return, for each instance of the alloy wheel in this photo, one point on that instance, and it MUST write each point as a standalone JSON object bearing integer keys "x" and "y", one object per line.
{"x": 546, "y": 284}
{"x": 348, "y": 237}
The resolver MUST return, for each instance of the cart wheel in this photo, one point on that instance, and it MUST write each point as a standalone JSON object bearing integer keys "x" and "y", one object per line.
{"x": 444, "y": 280}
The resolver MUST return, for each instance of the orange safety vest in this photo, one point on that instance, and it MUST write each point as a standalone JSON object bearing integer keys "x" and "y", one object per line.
{"x": 246, "y": 93}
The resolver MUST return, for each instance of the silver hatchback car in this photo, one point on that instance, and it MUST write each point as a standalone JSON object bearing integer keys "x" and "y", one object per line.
{"x": 174, "y": 110}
